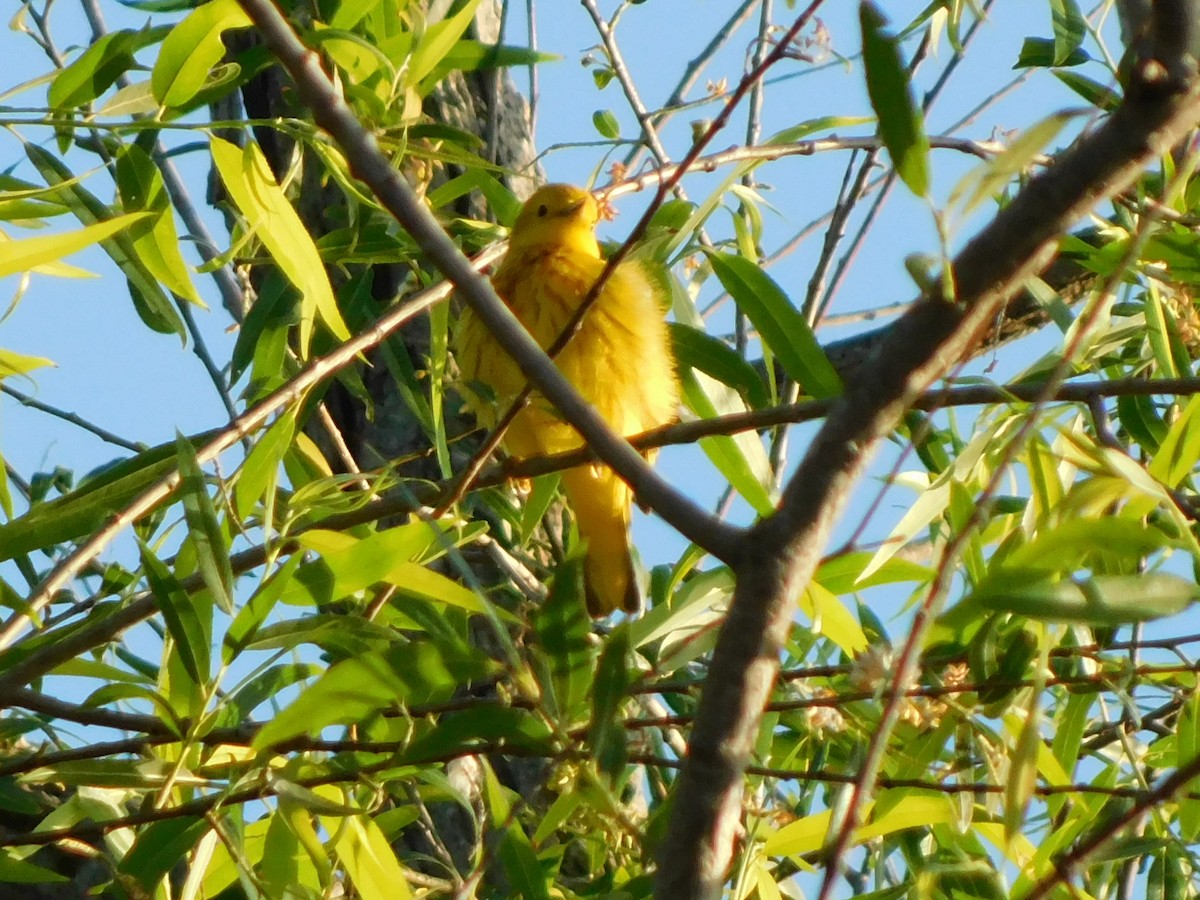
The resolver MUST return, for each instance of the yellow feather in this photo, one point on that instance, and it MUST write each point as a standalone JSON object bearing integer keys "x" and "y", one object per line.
{"x": 620, "y": 361}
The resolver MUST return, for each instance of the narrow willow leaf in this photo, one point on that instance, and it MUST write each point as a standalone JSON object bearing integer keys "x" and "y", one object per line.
{"x": 261, "y": 468}
{"x": 826, "y": 123}
{"x": 286, "y": 864}
{"x": 1180, "y": 450}
{"x": 19, "y": 364}
{"x": 155, "y": 240}
{"x": 832, "y": 619}
{"x": 741, "y": 458}
{"x": 438, "y": 40}
{"x": 14, "y": 870}
{"x": 99, "y": 66}
{"x": 564, "y": 633}
{"x": 1070, "y": 28}
{"x": 606, "y": 734}
{"x": 29, "y": 253}
{"x": 439, "y": 351}
{"x": 1022, "y": 766}
{"x": 160, "y": 847}
{"x": 355, "y": 689}
{"x": 369, "y": 860}
{"x": 204, "y": 531}
{"x": 275, "y": 223}
{"x": 779, "y": 324}
{"x": 191, "y": 50}
{"x": 266, "y": 684}
{"x": 188, "y": 616}
{"x": 1101, "y": 600}
{"x": 414, "y": 580}
{"x": 1065, "y": 547}
{"x": 525, "y": 875}
{"x": 88, "y": 506}
{"x": 990, "y": 178}
{"x": 1187, "y": 737}
{"x": 901, "y": 125}
{"x": 718, "y": 360}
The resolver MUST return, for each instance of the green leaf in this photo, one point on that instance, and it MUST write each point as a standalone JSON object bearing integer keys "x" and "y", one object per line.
{"x": 1100, "y": 600}
{"x": 1099, "y": 95}
{"x": 825, "y": 123}
{"x": 265, "y": 685}
{"x": 1039, "y": 53}
{"x": 155, "y": 240}
{"x": 191, "y": 50}
{"x": 355, "y": 689}
{"x": 525, "y": 875}
{"x": 1180, "y": 449}
{"x": 437, "y": 41}
{"x": 1070, "y": 28}
{"x": 779, "y": 324}
{"x": 261, "y": 468}
{"x": 349, "y": 564}
{"x": 606, "y": 733}
{"x": 276, "y": 224}
{"x": 901, "y": 124}
{"x": 718, "y": 360}
{"x": 161, "y": 846}
{"x": 99, "y": 66}
{"x": 467, "y": 56}
{"x": 564, "y": 632}
{"x": 741, "y": 457}
{"x": 414, "y": 580}
{"x": 88, "y": 506}
{"x": 517, "y": 729}
{"x": 204, "y": 531}
{"x": 1187, "y": 746}
{"x": 990, "y": 178}
{"x": 606, "y": 123}
{"x": 188, "y": 617}
{"x": 14, "y": 870}
{"x": 339, "y": 634}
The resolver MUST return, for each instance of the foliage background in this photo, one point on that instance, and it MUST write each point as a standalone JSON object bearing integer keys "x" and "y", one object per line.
{"x": 1023, "y": 739}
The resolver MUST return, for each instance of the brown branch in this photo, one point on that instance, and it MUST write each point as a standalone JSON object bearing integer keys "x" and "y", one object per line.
{"x": 926, "y": 342}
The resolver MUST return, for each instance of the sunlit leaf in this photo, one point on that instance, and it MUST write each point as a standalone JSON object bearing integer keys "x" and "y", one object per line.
{"x": 191, "y": 50}
{"x": 276, "y": 224}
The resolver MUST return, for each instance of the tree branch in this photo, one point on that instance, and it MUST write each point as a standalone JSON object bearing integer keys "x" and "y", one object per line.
{"x": 923, "y": 345}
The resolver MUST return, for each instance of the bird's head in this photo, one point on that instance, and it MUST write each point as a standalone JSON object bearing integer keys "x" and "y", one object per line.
{"x": 557, "y": 215}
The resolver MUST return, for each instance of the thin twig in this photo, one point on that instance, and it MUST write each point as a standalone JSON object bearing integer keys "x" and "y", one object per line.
{"x": 104, "y": 434}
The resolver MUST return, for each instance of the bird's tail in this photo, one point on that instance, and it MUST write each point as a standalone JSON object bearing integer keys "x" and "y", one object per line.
{"x": 601, "y": 501}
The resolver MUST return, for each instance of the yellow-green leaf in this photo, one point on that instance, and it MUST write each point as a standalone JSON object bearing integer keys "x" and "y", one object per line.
{"x": 275, "y": 223}
{"x": 192, "y": 48}
{"x": 19, "y": 364}
{"x": 29, "y": 253}
{"x": 372, "y": 866}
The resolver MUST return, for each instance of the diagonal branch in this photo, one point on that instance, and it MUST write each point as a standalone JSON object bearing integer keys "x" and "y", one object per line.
{"x": 924, "y": 344}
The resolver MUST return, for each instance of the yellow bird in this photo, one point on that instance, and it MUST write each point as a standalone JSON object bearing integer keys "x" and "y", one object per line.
{"x": 620, "y": 361}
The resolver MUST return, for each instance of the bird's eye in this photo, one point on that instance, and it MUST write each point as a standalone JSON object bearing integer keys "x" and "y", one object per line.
{"x": 542, "y": 210}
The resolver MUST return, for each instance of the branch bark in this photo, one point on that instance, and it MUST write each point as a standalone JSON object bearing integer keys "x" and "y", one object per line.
{"x": 923, "y": 345}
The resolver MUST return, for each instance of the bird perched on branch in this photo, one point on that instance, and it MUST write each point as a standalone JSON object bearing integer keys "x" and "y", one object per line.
{"x": 620, "y": 361}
